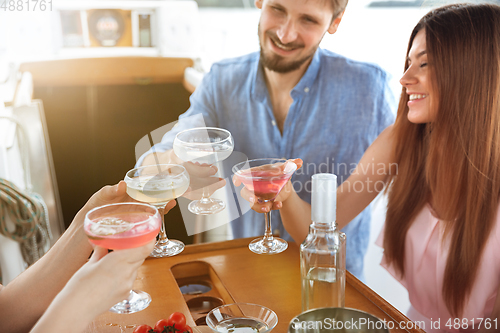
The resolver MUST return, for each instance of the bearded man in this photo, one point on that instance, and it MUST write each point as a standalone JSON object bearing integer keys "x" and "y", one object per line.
{"x": 295, "y": 100}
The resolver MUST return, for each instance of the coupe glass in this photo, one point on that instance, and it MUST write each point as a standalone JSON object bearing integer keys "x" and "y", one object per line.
{"x": 157, "y": 185}
{"x": 242, "y": 317}
{"x": 124, "y": 226}
{"x": 265, "y": 177}
{"x": 204, "y": 145}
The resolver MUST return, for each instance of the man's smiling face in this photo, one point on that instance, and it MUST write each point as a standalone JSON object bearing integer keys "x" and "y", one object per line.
{"x": 290, "y": 31}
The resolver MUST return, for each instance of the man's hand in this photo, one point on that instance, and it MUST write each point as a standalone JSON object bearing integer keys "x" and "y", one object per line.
{"x": 262, "y": 207}
{"x": 202, "y": 180}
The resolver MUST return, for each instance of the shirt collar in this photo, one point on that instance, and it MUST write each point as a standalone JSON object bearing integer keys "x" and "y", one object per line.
{"x": 309, "y": 76}
{"x": 260, "y": 90}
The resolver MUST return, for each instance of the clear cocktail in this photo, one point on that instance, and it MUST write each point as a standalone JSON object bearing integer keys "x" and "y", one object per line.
{"x": 204, "y": 145}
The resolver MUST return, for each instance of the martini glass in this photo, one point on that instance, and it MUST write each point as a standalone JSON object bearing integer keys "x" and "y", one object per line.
{"x": 124, "y": 226}
{"x": 157, "y": 185}
{"x": 204, "y": 145}
{"x": 265, "y": 177}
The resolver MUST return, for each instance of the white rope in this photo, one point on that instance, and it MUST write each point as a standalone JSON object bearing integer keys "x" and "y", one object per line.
{"x": 26, "y": 210}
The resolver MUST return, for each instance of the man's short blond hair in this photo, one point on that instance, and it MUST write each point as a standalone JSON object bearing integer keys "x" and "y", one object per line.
{"x": 338, "y": 7}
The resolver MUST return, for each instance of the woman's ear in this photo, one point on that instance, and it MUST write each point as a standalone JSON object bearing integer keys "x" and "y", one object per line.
{"x": 258, "y": 3}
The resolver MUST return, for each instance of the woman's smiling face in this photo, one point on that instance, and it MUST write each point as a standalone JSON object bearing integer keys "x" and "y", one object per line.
{"x": 417, "y": 82}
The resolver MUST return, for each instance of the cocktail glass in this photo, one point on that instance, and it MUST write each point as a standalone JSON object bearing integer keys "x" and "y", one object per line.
{"x": 157, "y": 185}
{"x": 265, "y": 177}
{"x": 204, "y": 145}
{"x": 124, "y": 226}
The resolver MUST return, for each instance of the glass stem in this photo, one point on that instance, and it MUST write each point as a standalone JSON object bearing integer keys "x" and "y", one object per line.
{"x": 205, "y": 197}
{"x": 163, "y": 232}
{"x": 268, "y": 234}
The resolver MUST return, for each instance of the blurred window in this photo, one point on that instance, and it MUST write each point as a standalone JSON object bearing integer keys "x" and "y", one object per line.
{"x": 226, "y": 3}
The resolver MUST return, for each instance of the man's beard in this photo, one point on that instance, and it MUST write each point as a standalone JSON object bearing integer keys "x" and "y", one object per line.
{"x": 277, "y": 63}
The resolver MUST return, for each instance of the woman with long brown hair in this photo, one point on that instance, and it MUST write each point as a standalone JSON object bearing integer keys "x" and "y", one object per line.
{"x": 440, "y": 164}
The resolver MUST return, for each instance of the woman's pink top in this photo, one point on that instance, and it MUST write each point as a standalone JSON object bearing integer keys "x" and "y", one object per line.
{"x": 425, "y": 262}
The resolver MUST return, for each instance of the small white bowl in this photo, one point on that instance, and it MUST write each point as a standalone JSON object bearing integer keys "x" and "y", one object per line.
{"x": 226, "y": 318}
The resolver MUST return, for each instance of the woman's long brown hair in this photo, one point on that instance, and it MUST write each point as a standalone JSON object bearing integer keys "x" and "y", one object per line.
{"x": 452, "y": 163}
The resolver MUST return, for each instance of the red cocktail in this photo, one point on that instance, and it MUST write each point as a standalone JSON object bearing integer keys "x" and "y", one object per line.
{"x": 265, "y": 177}
{"x": 264, "y": 181}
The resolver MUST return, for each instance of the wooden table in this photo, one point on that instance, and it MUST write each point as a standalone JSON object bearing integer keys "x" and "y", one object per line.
{"x": 238, "y": 275}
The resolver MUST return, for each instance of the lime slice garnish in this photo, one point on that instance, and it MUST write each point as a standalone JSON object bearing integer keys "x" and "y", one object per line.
{"x": 109, "y": 226}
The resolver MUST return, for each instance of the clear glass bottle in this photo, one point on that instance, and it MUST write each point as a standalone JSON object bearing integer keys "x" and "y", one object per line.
{"x": 322, "y": 254}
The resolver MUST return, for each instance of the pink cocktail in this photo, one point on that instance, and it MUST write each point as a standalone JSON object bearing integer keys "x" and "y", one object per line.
{"x": 265, "y": 178}
{"x": 124, "y": 226}
{"x": 265, "y": 181}
{"x": 138, "y": 230}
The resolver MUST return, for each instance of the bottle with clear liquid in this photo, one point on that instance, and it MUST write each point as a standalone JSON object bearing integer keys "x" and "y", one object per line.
{"x": 322, "y": 254}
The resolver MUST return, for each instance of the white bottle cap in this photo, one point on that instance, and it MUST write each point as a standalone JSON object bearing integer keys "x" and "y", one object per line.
{"x": 324, "y": 198}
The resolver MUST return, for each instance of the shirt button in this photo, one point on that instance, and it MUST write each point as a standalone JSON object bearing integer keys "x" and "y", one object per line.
{"x": 273, "y": 122}
{"x": 306, "y": 89}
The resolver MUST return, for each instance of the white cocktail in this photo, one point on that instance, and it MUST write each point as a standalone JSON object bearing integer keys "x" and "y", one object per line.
{"x": 204, "y": 145}
{"x": 156, "y": 190}
{"x": 203, "y": 155}
{"x": 157, "y": 185}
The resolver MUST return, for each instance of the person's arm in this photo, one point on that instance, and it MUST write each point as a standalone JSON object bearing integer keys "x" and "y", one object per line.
{"x": 103, "y": 281}
{"x": 353, "y": 195}
{"x": 24, "y": 299}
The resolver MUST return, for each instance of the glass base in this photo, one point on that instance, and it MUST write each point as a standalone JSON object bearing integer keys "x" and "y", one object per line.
{"x": 137, "y": 301}
{"x": 276, "y": 245}
{"x": 167, "y": 248}
{"x": 207, "y": 206}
